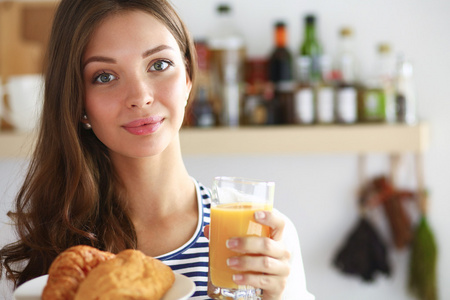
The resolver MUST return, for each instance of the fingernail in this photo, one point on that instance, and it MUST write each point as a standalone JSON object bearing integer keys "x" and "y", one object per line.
{"x": 260, "y": 215}
{"x": 238, "y": 277}
{"x": 232, "y": 243}
{"x": 232, "y": 261}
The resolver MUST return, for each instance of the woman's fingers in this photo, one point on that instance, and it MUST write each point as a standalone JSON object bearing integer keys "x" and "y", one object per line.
{"x": 258, "y": 246}
{"x": 261, "y": 255}
{"x": 259, "y": 264}
{"x": 262, "y": 262}
{"x": 271, "y": 219}
{"x": 206, "y": 231}
{"x": 274, "y": 221}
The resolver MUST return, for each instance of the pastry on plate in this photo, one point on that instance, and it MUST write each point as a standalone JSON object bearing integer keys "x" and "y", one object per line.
{"x": 129, "y": 275}
{"x": 69, "y": 269}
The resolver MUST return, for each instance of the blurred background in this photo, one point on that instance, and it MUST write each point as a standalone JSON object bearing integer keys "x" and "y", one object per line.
{"x": 319, "y": 192}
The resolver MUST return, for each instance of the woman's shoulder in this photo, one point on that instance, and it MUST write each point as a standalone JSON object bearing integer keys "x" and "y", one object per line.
{"x": 204, "y": 190}
{"x": 203, "y": 193}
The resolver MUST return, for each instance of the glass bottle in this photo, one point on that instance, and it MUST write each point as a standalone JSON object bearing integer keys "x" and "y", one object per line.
{"x": 202, "y": 109}
{"x": 281, "y": 76}
{"x": 405, "y": 97}
{"x": 227, "y": 58}
{"x": 377, "y": 101}
{"x": 324, "y": 94}
{"x": 347, "y": 90}
{"x": 304, "y": 93}
{"x": 311, "y": 47}
{"x": 386, "y": 73}
{"x": 255, "y": 108}
{"x": 200, "y": 112}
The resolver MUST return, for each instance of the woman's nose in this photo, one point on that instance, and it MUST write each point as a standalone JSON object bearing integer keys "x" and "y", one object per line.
{"x": 139, "y": 94}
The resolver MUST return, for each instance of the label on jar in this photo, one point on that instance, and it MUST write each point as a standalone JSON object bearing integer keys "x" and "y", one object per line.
{"x": 231, "y": 105}
{"x": 304, "y": 106}
{"x": 325, "y": 105}
{"x": 346, "y": 105}
{"x": 374, "y": 105}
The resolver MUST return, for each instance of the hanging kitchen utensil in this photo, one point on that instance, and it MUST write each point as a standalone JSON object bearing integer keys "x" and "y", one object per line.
{"x": 392, "y": 200}
{"x": 397, "y": 216}
{"x": 363, "y": 253}
{"x": 422, "y": 281}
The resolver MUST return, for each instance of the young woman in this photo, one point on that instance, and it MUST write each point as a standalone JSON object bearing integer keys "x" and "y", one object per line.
{"x": 107, "y": 170}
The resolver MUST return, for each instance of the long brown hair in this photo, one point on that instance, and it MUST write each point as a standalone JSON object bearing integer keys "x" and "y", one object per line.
{"x": 70, "y": 194}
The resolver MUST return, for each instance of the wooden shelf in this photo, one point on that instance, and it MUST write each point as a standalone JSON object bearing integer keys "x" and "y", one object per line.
{"x": 306, "y": 139}
{"x": 370, "y": 138}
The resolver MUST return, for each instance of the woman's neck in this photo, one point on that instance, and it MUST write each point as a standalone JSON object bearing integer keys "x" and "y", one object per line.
{"x": 160, "y": 199}
{"x": 157, "y": 184}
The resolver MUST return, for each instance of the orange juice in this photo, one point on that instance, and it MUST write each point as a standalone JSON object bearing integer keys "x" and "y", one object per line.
{"x": 227, "y": 221}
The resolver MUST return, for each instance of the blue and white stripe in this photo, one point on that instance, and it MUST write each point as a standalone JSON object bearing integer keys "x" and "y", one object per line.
{"x": 191, "y": 259}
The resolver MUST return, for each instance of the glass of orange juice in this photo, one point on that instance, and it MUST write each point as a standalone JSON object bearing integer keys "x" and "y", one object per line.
{"x": 234, "y": 203}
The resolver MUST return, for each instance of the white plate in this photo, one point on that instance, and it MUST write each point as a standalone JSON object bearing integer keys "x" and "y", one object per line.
{"x": 182, "y": 289}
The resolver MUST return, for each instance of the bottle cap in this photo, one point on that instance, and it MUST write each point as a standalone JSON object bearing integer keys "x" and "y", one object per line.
{"x": 384, "y": 48}
{"x": 223, "y": 8}
{"x": 310, "y": 19}
{"x": 280, "y": 34}
{"x": 346, "y": 31}
{"x": 280, "y": 24}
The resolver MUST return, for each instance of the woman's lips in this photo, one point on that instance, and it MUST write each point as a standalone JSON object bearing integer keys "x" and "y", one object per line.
{"x": 144, "y": 126}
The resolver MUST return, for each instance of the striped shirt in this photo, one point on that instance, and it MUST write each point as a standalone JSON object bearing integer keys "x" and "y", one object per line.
{"x": 191, "y": 259}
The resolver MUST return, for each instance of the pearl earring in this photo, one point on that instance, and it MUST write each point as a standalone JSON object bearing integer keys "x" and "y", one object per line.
{"x": 86, "y": 125}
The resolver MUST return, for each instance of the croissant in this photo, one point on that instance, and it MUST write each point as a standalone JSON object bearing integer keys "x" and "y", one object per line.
{"x": 86, "y": 273}
{"x": 130, "y": 275}
{"x": 69, "y": 269}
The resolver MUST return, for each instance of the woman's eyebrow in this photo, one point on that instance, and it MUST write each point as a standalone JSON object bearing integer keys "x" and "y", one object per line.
{"x": 155, "y": 50}
{"x": 99, "y": 59}
{"x": 113, "y": 61}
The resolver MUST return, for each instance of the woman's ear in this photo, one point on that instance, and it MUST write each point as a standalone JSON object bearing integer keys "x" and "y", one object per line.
{"x": 188, "y": 86}
{"x": 188, "y": 89}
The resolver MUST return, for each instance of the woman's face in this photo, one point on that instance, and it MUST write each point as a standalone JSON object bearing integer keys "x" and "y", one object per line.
{"x": 136, "y": 84}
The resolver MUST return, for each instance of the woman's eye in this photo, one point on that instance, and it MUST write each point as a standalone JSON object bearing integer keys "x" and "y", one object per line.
{"x": 104, "y": 78}
{"x": 160, "y": 65}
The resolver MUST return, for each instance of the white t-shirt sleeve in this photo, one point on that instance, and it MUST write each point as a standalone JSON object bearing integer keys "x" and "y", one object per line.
{"x": 296, "y": 284}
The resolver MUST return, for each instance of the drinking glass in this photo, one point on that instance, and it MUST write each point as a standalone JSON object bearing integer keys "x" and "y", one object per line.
{"x": 234, "y": 203}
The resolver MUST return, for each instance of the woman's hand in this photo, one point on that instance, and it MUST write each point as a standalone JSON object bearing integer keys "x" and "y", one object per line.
{"x": 265, "y": 260}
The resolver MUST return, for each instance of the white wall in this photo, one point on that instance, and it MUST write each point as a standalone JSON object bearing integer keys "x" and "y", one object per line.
{"x": 318, "y": 191}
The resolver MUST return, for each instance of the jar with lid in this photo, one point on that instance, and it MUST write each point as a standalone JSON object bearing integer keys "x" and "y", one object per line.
{"x": 227, "y": 58}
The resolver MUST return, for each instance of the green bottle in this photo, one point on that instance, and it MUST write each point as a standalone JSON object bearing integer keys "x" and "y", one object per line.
{"x": 311, "y": 47}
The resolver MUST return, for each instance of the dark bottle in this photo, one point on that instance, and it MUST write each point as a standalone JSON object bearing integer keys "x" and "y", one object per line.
{"x": 405, "y": 95}
{"x": 255, "y": 100}
{"x": 311, "y": 47}
{"x": 281, "y": 75}
{"x": 280, "y": 61}
{"x": 202, "y": 110}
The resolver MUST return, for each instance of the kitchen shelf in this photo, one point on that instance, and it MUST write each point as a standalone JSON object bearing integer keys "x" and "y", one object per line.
{"x": 365, "y": 138}
{"x": 306, "y": 139}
